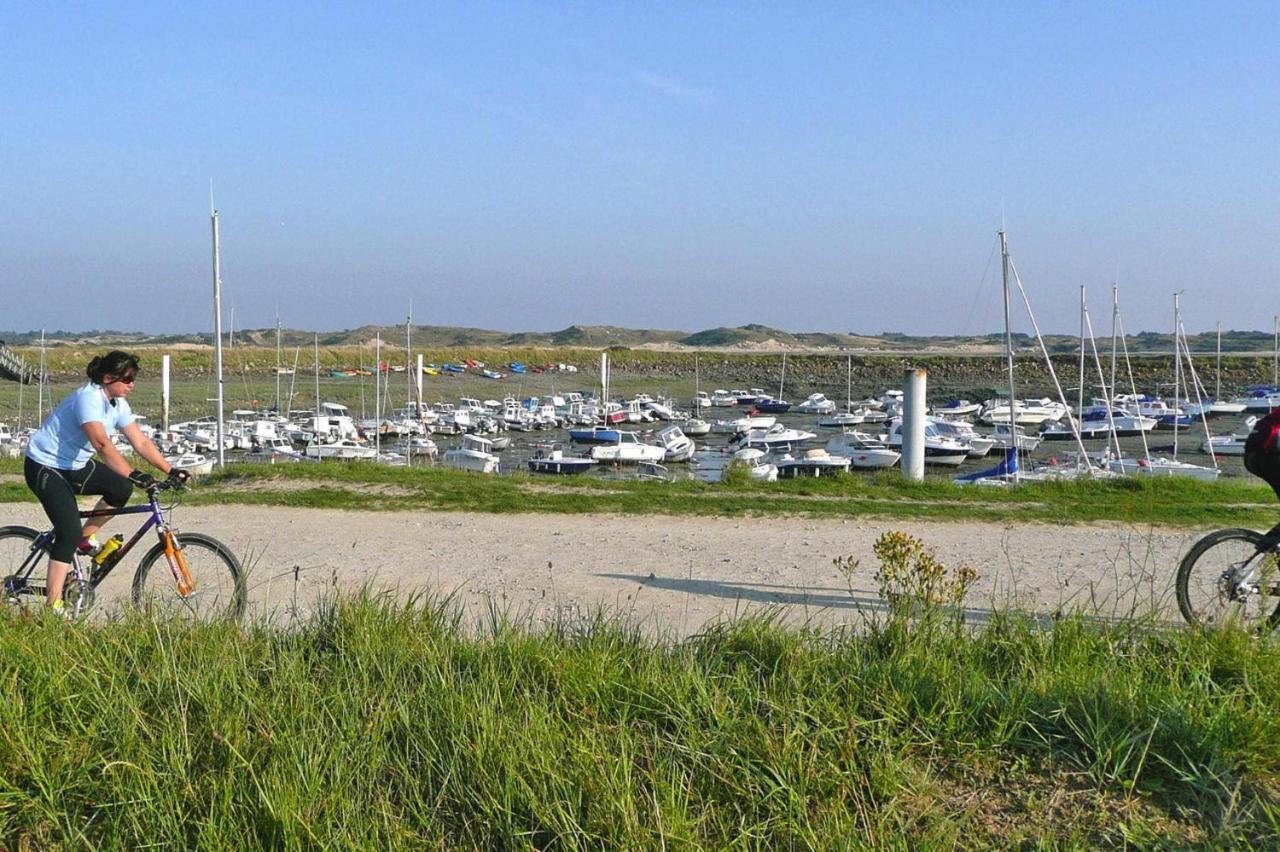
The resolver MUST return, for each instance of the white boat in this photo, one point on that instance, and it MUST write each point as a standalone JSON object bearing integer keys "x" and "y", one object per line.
{"x": 757, "y": 464}
{"x": 1224, "y": 445}
{"x": 816, "y": 403}
{"x": 627, "y": 450}
{"x": 418, "y": 446}
{"x": 1025, "y": 442}
{"x": 744, "y": 424}
{"x": 1025, "y": 412}
{"x": 474, "y": 454}
{"x": 962, "y": 430}
{"x": 343, "y": 448}
{"x": 193, "y": 463}
{"x": 939, "y": 449}
{"x": 863, "y": 451}
{"x": 956, "y": 408}
{"x": 814, "y": 463}
{"x": 778, "y": 438}
{"x": 696, "y": 427}
{"x": 842, "y": 419}
{"x": 1160, "y": 466}
{"x": 678, "y": 446}
{"x": 722, "y": 398}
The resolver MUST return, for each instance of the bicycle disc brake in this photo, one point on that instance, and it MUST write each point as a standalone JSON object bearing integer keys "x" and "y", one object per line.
{"x": 77, "y": 595}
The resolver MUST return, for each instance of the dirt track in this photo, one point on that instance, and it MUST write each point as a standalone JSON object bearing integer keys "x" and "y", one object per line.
{"x": 670, "y": 573}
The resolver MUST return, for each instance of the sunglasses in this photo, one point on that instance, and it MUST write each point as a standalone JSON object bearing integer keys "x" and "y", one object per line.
{"x": 127, "y": 380}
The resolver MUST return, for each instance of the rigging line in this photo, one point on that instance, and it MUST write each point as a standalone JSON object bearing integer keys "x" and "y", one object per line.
{"x": 964, "y": 329}
{"x": 1133, "y": 385}
{"x": 1048, "y": 362}
{"x": 1195, "y": 383}
{"x": 1114, "y": 436}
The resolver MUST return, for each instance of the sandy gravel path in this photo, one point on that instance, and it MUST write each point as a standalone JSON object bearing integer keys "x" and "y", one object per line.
{"x": 670, "y": 573}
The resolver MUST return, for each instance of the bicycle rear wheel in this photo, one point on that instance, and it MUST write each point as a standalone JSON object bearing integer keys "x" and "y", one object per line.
{"x": 1210, "y": 572}
{"x": 15, "y": 549}
{"x": 218, "y": 582}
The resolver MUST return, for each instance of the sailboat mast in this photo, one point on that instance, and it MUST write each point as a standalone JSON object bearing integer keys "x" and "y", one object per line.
{"x": 782, "y": 380}
{"x": 408, "y": 356}
{"x": 848, "y": 385}
{"x": 1217, "y": 383}
{"x": 217, "y": 335}
{"x": 1115, "y": 327}
{"x": 1080, "y": 397}
{"x": 277, "y": 362}
{"x": 317, "y": 345}
{"x": 1177, "y": 369}
{"x": 1008, "y": 336}
{"x": 377, "y": 397}
{"x": 1275, "y": 351}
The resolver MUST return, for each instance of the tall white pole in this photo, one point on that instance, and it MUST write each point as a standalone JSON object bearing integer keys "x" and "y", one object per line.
{"x": 1008, "y": 344}
{"x": 317, "y": 359}
{"x": 164, "y": 393}
{"x": 913, "y": 421}
{"x": 418, "y": 383}
{"x": 1217, "y": 385}
{"x": 277, "y": 362}
{"x": 1275, "y": 351}
{"x": 1177, "y": 370}
{"x": 217, "y": 335}
{"x": 40, "y": 384}
{"x": 377, "y": 395}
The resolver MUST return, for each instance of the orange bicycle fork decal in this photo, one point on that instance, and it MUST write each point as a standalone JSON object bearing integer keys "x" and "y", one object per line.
{"x": 178, "y": 565}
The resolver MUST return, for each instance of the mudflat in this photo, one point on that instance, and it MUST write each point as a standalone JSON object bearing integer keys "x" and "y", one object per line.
{"x": 670, "y": 574}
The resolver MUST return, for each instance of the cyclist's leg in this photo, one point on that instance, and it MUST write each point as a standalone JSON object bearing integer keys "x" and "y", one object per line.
{"x": 56, "y": 496}
{"x": 97, "y": 478}
{"x": 1266, "y": 466}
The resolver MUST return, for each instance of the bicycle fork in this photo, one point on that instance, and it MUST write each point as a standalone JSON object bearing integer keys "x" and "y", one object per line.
{"x": 177, "y": 563}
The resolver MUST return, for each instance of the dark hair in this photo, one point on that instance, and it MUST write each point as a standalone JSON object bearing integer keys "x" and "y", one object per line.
{"x": 114, "y": 363}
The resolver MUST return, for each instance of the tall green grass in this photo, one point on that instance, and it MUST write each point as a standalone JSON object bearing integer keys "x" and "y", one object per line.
{"x": 385, "y": 725}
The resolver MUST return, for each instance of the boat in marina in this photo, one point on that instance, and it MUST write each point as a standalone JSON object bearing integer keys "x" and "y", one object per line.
{"x": 813, "y": 463}
{"x": 777, "y": 438}
{"x": 757, "y": 463}
{"x": 744, "y": 424}
{"x": 342, "y": 448}
{"x": 863, "y": 451}
{"x": 594, "y": 435}
{"x": 677, "y": 446}
{"x": 939, "y": 449}
{"x": 954, "y": 408}
{"x": 474, "y": 454}
{"x": 628, "y": 449}
{"x": 696, "y": 427}
{"x": 554, "y": 461}
{"x": 842, "y": 419}
{"x": 816, "y": 403}
{"x": 193, "y": 463}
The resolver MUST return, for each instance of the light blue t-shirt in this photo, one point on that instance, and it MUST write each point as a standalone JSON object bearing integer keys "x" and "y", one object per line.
{"x": 61, "y": 442}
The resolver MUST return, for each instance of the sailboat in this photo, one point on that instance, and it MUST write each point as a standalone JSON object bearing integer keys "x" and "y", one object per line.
{"x": 848, "y": 417}
{"x": 695, "y": 426}
{"x": 766, "y": 404}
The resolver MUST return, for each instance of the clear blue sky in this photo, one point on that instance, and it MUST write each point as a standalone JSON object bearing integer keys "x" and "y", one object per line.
{"x": 839, "y": 167}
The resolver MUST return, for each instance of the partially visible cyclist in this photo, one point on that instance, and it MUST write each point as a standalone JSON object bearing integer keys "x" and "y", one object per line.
{"x": 1262, "y": 455}
{"x": 60, "y": 463}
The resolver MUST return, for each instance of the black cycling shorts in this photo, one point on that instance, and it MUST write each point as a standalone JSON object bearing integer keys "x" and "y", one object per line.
{"x": 57, "y": 491}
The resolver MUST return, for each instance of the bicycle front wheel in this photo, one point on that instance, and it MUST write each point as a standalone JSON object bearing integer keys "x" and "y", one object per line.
{"x": 1211, "y": 576}
{"x": 15, "y": 551}
{"x": 217, "y": 582}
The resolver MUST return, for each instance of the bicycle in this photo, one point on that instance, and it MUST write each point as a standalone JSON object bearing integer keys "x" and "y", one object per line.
{"x": 1230, "y": 577}
{"x": 200, "y": 578}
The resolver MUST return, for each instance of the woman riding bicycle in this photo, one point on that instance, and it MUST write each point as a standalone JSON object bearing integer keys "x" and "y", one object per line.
{"x": 59, "y": 462}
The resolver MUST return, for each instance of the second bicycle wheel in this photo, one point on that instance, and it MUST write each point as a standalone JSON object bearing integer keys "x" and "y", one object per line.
{"x": 218, "y": 584}
{"x": 1210, "y": 573}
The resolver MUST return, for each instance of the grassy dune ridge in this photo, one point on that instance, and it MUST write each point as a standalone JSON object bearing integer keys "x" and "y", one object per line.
{"x": 378, "y": 725}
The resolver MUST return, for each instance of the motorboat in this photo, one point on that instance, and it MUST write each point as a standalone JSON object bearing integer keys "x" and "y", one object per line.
{"x": 816, "y": 403}
{"x": 678, "y": 446}
{"x": 769, "y": 405}
{"x": 814, "y": 463}
{"x": 1096, "y": 425}
{"x": 556, "y": 462}
{"x": 954, "y": 408}
{"x": 1024, "y": 412}
{"x": 939, "y": 449}
{"x": 475, "y": 454}
{"x": 863, "y": 451}
{"x": 1224, "y": 445}
{"x": 744, "y": 424}
{"x": 756, "y": 462}
{"x": 594, "y": 435}
{"x": 193, "y": 463}
{"x": 842, "y": 419}
{"x": 1025, "y": 441}
{"x": 628, "y": 449}
{"x": 722, "y": 398}
{"x": 696, "y": 427}
{"x": 962, "y": 430}
{"x": 343, "y": 448}
{"x": 417, "y": 445}
{"x": 777, "y": 438}
{"x": 1260, "y": 399}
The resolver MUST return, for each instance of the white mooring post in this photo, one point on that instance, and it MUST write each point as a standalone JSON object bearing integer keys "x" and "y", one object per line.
{"x": 164, "y": 393}
{"x": 419, "y": 375}
{"x": 913, "y": 392}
